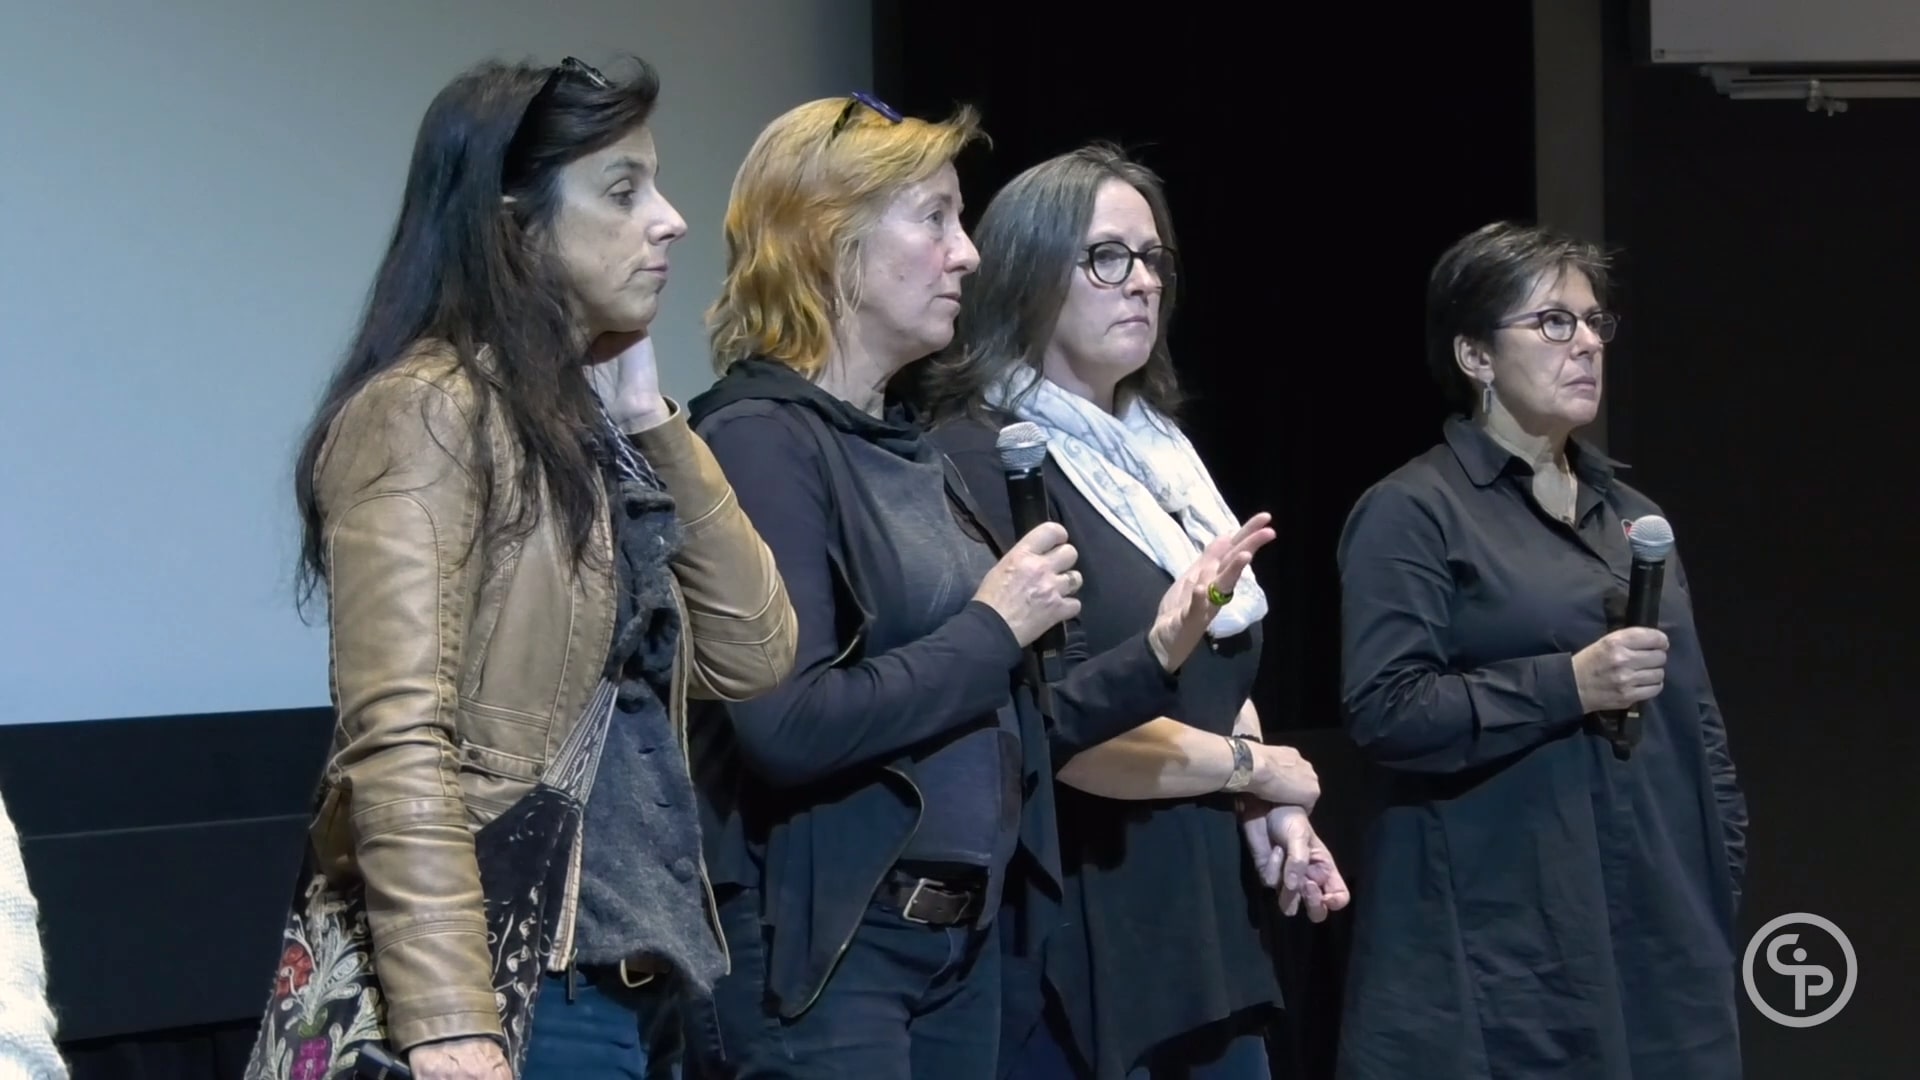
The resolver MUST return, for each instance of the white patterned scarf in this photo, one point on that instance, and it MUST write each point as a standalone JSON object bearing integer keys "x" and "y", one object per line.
{"x": 1141, "y": 473}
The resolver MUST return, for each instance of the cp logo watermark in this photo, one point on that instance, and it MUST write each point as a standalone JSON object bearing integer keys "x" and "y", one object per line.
{"x": 1812, "y": 983}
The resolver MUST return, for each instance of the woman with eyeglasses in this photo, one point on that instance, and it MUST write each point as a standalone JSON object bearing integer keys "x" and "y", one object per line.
{"x": 871, "y": 814}
{"x": 1156, "y": 965}
{"x": 1552, "y": 880}
{"x": 530, "y": 565}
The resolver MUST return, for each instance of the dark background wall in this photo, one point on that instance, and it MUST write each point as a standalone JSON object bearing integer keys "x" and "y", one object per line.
{"x": 1311, "y": 188}
{"x": 1771, "y": 258}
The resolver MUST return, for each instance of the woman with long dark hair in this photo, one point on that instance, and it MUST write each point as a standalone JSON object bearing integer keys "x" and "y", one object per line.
{"x": 530, "y": 564}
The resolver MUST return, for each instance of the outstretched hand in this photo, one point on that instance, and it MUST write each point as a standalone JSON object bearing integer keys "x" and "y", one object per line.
{"x": 625, "y": 374}
{"x": 1187, "y": 609}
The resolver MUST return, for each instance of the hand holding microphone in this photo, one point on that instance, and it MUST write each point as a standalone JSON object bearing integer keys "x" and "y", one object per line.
{"x": 1032, "y": 585}
{"x": 1629, "y": 666}
{"x": 1620, "y": 670}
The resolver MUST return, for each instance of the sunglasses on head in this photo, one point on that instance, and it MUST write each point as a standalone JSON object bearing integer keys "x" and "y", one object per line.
{"x": 575, "y": 67}
{"x": 857, "y": 99}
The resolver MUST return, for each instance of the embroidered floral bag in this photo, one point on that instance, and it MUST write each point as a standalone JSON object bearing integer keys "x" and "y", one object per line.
{"x": 326, "y": 1001}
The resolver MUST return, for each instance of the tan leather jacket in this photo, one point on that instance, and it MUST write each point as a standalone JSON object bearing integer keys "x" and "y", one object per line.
{"x": 456, "y": 675}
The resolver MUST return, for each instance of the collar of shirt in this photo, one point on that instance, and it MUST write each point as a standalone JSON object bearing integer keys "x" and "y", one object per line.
{"x": 1485, "y": 460}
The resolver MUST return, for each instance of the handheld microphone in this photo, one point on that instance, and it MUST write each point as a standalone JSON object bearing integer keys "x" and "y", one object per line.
{"x": 1651, "y": 539}
{"x": 1022, "y": 448}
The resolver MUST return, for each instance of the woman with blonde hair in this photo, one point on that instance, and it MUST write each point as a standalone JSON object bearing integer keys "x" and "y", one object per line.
{"x": 870, "y": 816}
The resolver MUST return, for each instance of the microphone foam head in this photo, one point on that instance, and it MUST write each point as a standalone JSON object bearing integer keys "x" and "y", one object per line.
{"x": 1021, "y": 445}
{"x": 1651, "y": 538}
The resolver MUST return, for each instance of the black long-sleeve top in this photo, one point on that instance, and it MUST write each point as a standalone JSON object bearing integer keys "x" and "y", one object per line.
{"x": 1165, "y": 919}
{"x": 1527, "y": 903}
{"x": 812, "y": 791}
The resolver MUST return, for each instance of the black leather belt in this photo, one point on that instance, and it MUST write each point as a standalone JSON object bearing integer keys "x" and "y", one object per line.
{"x": 930, "y": 902}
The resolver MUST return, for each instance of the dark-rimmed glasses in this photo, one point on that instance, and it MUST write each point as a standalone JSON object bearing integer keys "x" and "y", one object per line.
{"x": 856, "y": 99}
{"x": 1558, "y": 325}
{"x": 1110, "y": 262}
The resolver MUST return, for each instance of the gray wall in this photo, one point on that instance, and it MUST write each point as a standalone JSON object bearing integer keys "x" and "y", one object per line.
{"x": 193, "y": 197}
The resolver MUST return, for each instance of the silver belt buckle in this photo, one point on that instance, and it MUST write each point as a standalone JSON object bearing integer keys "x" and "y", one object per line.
{"x": 906, "y": 910}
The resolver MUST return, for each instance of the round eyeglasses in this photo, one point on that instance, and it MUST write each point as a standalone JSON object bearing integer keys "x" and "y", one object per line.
{"x": 1110, "y": 262}
{"x": 1558, "y": 325}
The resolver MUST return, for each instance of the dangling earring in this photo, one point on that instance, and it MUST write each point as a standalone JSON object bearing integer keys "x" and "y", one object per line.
{"x": 1486, "y": 397}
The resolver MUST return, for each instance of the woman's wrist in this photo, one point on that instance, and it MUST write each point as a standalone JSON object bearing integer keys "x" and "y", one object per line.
{"x": 643, "y": 415}
{"x": 1158, "y": 648}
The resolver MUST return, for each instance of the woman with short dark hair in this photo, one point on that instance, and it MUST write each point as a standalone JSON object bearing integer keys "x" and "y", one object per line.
{"x": 1548, "y": 893}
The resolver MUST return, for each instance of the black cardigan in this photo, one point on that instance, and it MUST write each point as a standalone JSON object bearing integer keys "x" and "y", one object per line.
{"x": 1161, "y": 900}
{"x": 808, "y": 790}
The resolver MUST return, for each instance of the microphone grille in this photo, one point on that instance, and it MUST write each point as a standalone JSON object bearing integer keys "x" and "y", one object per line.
{"x": 1021, "y": 445}
{"x": 1651, "y": 538}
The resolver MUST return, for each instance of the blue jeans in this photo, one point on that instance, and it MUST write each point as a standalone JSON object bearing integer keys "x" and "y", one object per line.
{"x": 607, "y": 1032}
{"x": 1223, "y": 1051}
{"x": 906, "y": 1002}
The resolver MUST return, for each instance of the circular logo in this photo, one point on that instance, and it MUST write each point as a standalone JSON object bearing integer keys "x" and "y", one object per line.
{"x": 1786, "y": 956}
